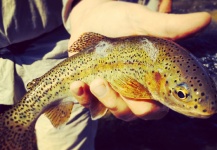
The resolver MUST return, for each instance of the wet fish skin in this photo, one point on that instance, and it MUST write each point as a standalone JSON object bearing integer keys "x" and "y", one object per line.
{"x": 139, "y": 67}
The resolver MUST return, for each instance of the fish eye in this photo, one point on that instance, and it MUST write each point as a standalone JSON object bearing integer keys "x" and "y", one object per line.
{"x": 181, "y": 94}
{"x": 181, "y": 91}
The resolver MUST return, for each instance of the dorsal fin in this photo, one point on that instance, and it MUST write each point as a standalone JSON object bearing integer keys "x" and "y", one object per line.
{"x": 59, "y": 114}
{"x": 32, "y": 83}
{"x": 86, "y": 40}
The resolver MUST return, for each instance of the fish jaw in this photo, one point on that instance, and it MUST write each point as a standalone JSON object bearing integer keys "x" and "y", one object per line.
{"x": 190, "y": 112}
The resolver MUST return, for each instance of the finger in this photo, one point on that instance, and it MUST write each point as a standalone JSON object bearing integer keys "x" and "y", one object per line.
{"x": 147, "y": 109}
{"x": 182, "y": 25}
{"x": 81, "y": 92}
{"x": 165, "y": 6}
{"x": 111, "y": 99}
{"x": 71, "y": 53}
{"x": 173, "y": 26}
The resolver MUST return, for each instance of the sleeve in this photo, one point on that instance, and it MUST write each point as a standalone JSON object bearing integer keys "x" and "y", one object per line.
{"x": 28, "y": 20}
{"x": 67, "y": 7}
{"x": 21, "y": 22}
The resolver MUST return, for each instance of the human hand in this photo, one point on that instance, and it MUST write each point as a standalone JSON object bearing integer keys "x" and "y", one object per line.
{"x": 121, "y": 107}
{"x": 115, "y": 19}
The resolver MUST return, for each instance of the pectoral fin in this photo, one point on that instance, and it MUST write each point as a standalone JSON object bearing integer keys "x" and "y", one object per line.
{"x": 97, "y": 109}
{"x": 59, "y": 114}
{"x": 86, "y": 40}
{"x": 131, "y": 88}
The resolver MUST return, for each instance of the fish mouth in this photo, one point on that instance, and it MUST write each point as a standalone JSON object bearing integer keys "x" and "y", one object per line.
{"x": 197, "y": 115}
{"x": 194, "y": 114}
{"x": 201, "y": 116}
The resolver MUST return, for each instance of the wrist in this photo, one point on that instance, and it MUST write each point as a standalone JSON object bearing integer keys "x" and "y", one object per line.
{"x": 79, "y": 14}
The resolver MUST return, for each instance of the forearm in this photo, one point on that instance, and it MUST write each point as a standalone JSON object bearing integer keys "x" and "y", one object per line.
{"x": 106, "y": 17}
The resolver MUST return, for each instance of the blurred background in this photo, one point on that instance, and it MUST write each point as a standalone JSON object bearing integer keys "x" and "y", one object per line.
{"x": 175, "y": 131}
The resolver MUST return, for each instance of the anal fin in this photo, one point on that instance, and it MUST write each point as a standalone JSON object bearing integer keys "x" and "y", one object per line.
{"x": 59, "y": 114}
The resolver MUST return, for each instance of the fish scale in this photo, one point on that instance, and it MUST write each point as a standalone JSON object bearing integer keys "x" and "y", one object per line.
{"x": 139, "y": 67}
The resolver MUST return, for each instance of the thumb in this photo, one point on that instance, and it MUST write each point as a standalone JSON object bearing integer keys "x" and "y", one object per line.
{"x": 176, "y": 26}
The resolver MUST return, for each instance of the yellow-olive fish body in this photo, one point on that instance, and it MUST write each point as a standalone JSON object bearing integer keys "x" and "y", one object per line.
{"x": 139, "y": 67}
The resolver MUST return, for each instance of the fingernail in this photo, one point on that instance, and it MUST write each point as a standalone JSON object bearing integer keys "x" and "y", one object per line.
{"x": 99, "y": 90}
{"x": 78, "y": 91}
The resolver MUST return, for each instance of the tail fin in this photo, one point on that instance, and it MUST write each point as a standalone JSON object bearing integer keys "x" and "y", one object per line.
{"x": 14, "y": 137}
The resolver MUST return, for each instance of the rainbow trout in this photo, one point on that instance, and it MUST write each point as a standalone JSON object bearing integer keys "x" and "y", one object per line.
{"x": 139, "y": 67}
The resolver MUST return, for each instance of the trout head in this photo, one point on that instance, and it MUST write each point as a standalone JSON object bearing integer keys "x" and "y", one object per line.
{"x": 188, "y": 88}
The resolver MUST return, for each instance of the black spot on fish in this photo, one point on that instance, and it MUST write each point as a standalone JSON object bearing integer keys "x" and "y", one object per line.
{"x": 195, "y": 106}
{"x": 202, "y": 94}
{"x": 204, "y": 110}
